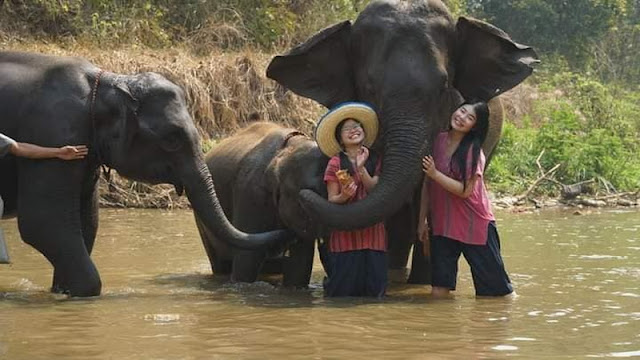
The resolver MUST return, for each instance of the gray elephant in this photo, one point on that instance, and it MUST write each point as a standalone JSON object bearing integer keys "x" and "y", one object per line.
{"x": 259, "y": 173}
{"x": 136, "y": 124}
{"x": 411, "y": 61}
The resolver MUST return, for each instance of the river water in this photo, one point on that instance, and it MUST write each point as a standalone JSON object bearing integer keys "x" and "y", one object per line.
{"x": 577, "y": 279}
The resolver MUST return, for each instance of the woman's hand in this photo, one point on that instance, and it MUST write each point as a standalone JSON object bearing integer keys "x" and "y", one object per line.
{"x": 348, "y": 191}
{"x": 429, "y": 166}
{"x": 362, "y": 156}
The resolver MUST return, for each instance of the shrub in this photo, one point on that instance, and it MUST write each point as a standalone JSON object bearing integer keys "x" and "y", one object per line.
{"x": 587, "y": 130}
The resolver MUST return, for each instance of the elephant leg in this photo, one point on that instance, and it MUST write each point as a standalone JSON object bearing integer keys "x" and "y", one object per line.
{"x": 420, "y": 266}
{"x": 246, "y": 265}
{"x": 298, "y": 265}
{"x": 251, "y": 213}
{"x": 323, "y": 254}
{"x": 273, "y": 265}
{"x": 49, "y": 205}
{"x": 218, "y": 265}
{"x": 89, "y": 218}
{"x": 89, "y": 210}
{"x": 400, "y": 232}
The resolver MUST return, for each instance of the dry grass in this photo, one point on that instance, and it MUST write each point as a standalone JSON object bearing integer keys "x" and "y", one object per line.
{"x": 519, "y": 101}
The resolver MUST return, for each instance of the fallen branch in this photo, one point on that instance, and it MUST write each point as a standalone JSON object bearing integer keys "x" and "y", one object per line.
{"x": 618, "y": 195}
{"x": 537, "y": 182}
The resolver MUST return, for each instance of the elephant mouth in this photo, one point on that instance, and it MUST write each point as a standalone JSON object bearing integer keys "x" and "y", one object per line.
{"x": 179, "y": 188}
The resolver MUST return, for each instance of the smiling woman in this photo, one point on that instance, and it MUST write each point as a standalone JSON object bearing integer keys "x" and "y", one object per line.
{"x": 356, "y": 261}
{"x": 465, "y": 225}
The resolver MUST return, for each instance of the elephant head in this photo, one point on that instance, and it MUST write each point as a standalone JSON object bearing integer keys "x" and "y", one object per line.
{"x": 144, "y": 131}
{"x": 298, "y": 165}
{"x": 409, "y": 60}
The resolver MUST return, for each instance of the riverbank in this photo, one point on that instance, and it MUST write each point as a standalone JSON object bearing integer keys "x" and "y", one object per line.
{"x": 121, "y": 193}
{"x": 581, "y": 204}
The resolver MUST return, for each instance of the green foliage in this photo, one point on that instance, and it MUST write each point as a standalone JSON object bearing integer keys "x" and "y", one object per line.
{"x": 590, "y": 132}
{"x": 158, "y": 23}
{"x": 456, "y": 7}
{"x": 616, "y": 59}
{"x": 511, "y": 167}
{"x": 567, "y": 27}
{"x": 601, "y": 36}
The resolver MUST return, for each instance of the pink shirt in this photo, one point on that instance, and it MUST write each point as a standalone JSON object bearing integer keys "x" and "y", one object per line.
{"x": 465, "y": 220}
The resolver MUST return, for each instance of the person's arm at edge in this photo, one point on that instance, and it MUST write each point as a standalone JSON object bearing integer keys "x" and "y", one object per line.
{"x": 32, "y": 151}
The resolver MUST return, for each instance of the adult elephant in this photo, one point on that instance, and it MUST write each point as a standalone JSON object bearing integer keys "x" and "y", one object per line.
{"x": 411, "y": 61}
{"x": 258, "y": 173}
{"x": 136, "y": 124}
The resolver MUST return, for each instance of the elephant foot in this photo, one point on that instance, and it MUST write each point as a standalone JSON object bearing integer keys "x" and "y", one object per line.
{"x": 244, "y": 278}
{"x": 82, "y": 282}
{"x": 59, "y": 289}
{"x": 82, "y": 291}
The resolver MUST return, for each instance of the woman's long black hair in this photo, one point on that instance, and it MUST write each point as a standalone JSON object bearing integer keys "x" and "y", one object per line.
{"x": 371, "y": 162}
{"x": 473, "y": 139}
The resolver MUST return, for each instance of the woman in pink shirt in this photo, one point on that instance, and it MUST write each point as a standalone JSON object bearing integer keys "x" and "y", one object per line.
{"x": 455, "y": 201}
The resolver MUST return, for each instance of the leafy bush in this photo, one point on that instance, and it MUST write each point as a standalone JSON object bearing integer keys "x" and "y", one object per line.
{"x": 589, "y": 131}
{"x": 160, "y": 23}
{"x": 513, "y": 164}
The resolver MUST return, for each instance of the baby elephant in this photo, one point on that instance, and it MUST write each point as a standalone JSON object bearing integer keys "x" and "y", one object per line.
{"x": 258, "y": 174}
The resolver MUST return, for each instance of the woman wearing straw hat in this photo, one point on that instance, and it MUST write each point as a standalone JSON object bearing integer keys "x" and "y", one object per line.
{"x": 357, "y": 260}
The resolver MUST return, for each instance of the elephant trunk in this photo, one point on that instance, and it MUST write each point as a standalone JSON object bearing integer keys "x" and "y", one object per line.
{"x": 405, "y": 144}
{"x": 202, "y": 195}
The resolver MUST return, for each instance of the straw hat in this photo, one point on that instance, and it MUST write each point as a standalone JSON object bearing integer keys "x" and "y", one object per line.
{"x": 326, "y": 127}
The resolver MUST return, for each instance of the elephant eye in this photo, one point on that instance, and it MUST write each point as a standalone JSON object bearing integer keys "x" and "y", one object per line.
{"x": 172, "y": 141}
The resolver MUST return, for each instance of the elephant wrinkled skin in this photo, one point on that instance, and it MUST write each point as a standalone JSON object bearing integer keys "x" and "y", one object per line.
{"x": 259, "y": 173}
{"x": 411, "y": 61}
{"x": 137, "y": 124}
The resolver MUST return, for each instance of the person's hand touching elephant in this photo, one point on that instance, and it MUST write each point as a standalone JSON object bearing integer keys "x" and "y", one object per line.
{"x": 73, "y": 152}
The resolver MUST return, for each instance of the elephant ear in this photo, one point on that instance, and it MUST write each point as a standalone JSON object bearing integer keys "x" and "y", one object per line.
{"x": 319, "y": 68}
{"x": 488, "y": 62}
{"x": 122, "y": 121}
{"x": 126, "y": 97}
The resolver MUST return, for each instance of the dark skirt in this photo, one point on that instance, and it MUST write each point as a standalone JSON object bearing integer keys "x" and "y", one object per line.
{"x": 356, "y": 273}
{"x": 487, "y": 267}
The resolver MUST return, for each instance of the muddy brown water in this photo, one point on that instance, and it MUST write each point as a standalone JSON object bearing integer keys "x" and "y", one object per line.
{"x": 577, "y": 278}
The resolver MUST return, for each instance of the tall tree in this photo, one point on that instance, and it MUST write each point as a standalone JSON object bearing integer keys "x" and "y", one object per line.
{"x": 561, "y": 26}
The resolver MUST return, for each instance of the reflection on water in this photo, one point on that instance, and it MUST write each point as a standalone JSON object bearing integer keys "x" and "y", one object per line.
{"x": 577, "y": 278}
